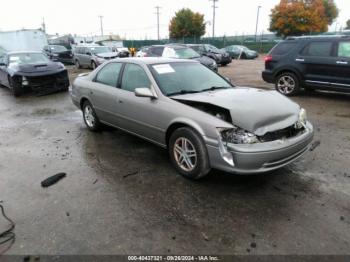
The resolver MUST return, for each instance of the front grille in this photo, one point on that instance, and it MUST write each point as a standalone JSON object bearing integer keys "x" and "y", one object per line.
{"x": 288, "y": 132}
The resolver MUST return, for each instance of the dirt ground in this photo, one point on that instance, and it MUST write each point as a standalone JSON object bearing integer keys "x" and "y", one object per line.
{"x": 121, "y": 195}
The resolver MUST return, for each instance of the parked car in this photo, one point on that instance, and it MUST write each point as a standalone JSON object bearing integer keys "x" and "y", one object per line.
{"x": 184, "y": 52}
{"x": 122, "y": 51}
{"x": 199, "y": 116}
{"x": 241, "y": 52}
{"x": 142, "y": 52}
{"x": 154, "y": 51}
{"x": 220, "y": 56}
{"x": 59, "y": 53}
{"x": 92, "y": 56}
{"x": 321, "y": 62}
{"x": 21, "y": 71}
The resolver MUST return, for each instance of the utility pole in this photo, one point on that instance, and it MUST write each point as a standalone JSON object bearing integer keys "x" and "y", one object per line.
{"x": 257, "y": 23}
{"x": 101, "y": 24}
{"x": 158, "y": 13}
{"x": 43, "y": 26}
{"x": 214, "y": 7}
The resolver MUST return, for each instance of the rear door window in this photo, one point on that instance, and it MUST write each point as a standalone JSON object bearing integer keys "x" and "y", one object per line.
{"x": 344, "y": 49}
{"x": 109, "y": 74}
{"x": 283, "y": 48}
{"x": 157, "y": 50}
{"x": 322, "y": 49}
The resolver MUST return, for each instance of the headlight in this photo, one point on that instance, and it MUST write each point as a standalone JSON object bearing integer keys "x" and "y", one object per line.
{"x": 25, "y": 81}
{"x": 238, "y": 135}
{"x": 302, "y": 119}
{"x": 55, "y": 55}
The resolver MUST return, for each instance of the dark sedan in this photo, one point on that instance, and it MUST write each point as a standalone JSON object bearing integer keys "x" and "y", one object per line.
{"x": 240, "y": 52}
{"x": 220, "y": 56}
{"x": 21, "y": 71}
{"x": 59, "y": 53}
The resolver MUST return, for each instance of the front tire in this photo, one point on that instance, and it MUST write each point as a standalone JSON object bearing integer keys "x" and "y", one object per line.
{"x": 287, "y": 84}
{"x": 77, "y": 64}
{"x": 15, "y": 88}
{"x": 93, "y": 65}
{"x": 188, "y": 153}
{"x": 90, "y": 118}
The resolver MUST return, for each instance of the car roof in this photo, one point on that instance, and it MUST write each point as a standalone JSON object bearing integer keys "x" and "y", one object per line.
{"x": 154, "y": 60}
{"x": 317, "y": 37}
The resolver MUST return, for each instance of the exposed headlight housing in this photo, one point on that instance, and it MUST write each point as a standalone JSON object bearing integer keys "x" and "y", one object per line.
{"x": 24, "y": 81}
{"x": 302, "y": 119}
{"x": 238, "y": 135}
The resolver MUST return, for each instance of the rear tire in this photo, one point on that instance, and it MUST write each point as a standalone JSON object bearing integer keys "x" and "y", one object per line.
{"x": 188, "y": 153}
{"x": 90, "y": 118}
{"x": 287, "y": 84}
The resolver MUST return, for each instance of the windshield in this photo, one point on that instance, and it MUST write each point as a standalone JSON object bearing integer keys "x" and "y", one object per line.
{"x": 58, "y": 48}
{"x": 100, "y": 49}
{"x": 213, "y": 48}
{"x": 182, "y": 53}
{"x": 28, "y": 58}
{"x": 182, "y": 78}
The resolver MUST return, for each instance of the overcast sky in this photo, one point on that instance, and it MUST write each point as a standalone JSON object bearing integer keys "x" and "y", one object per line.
{"x": 137, "y": 19}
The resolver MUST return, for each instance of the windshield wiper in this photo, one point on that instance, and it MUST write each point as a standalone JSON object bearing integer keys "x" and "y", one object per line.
{"x": 215, "y": 88}
{"x": 183, "y": 92}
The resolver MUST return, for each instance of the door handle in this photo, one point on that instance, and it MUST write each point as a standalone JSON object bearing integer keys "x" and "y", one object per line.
{"x": 300, "y": 60}
{"x": 342, "y": 62}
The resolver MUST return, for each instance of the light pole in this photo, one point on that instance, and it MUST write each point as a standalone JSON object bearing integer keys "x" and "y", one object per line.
{"x": 101, "y": 24}
{"x": 157, "y": 13}
{"x": 257, "y": 23}
{"x": 214, "y": 7}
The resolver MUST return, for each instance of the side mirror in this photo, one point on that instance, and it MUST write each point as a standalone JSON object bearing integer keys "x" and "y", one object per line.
{"x": 144, "y": 92}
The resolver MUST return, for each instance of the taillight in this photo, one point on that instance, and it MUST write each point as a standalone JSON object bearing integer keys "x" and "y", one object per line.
{"x": 268, "y": 58}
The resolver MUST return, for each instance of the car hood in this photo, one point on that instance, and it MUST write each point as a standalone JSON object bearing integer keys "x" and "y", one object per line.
{"x": 204, "y": 60}
{"x": 37, "y": 68}
{"x": 255, "y": 110}
{"x": 107, "y": 55}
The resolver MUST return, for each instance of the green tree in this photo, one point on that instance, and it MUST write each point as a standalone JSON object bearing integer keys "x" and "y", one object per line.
{"x": 347, "y": 25}
{"x": 186, "y": 23}
{"x": 298, "y": 17}
{"x": 331, "y": 11}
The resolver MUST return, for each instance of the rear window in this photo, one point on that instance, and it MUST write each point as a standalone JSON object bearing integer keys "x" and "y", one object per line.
{"x": 318, "y": 49}
{"x": 283, "y": 48}
{"x": 157, "y": 50}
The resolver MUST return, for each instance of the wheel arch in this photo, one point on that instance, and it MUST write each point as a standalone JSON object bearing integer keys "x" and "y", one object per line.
{"x": 180, "y": 123}
{"x": 82, "y": 101}
{"x": 289, "y": 70}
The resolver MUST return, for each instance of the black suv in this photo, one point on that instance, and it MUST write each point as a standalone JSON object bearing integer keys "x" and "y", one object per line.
{"x": 220, "y": 56}
{"x": 319, "y": 62}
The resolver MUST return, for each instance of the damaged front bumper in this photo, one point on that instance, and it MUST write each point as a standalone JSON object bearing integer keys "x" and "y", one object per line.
{"x": 44, "y": 83}
{"x": 259, "y": 157}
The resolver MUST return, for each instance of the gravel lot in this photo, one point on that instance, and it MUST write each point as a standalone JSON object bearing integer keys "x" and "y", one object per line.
{"x": 121, "y": 195}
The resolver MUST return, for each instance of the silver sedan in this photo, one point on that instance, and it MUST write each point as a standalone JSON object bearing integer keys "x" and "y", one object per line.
{"x": 199, "y": 116}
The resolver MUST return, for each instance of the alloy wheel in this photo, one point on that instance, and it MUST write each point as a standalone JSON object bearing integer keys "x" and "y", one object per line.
{"x": 185, "y": 154}
{"x": 286, "y": 84}
{"x": 89, "y": 116}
